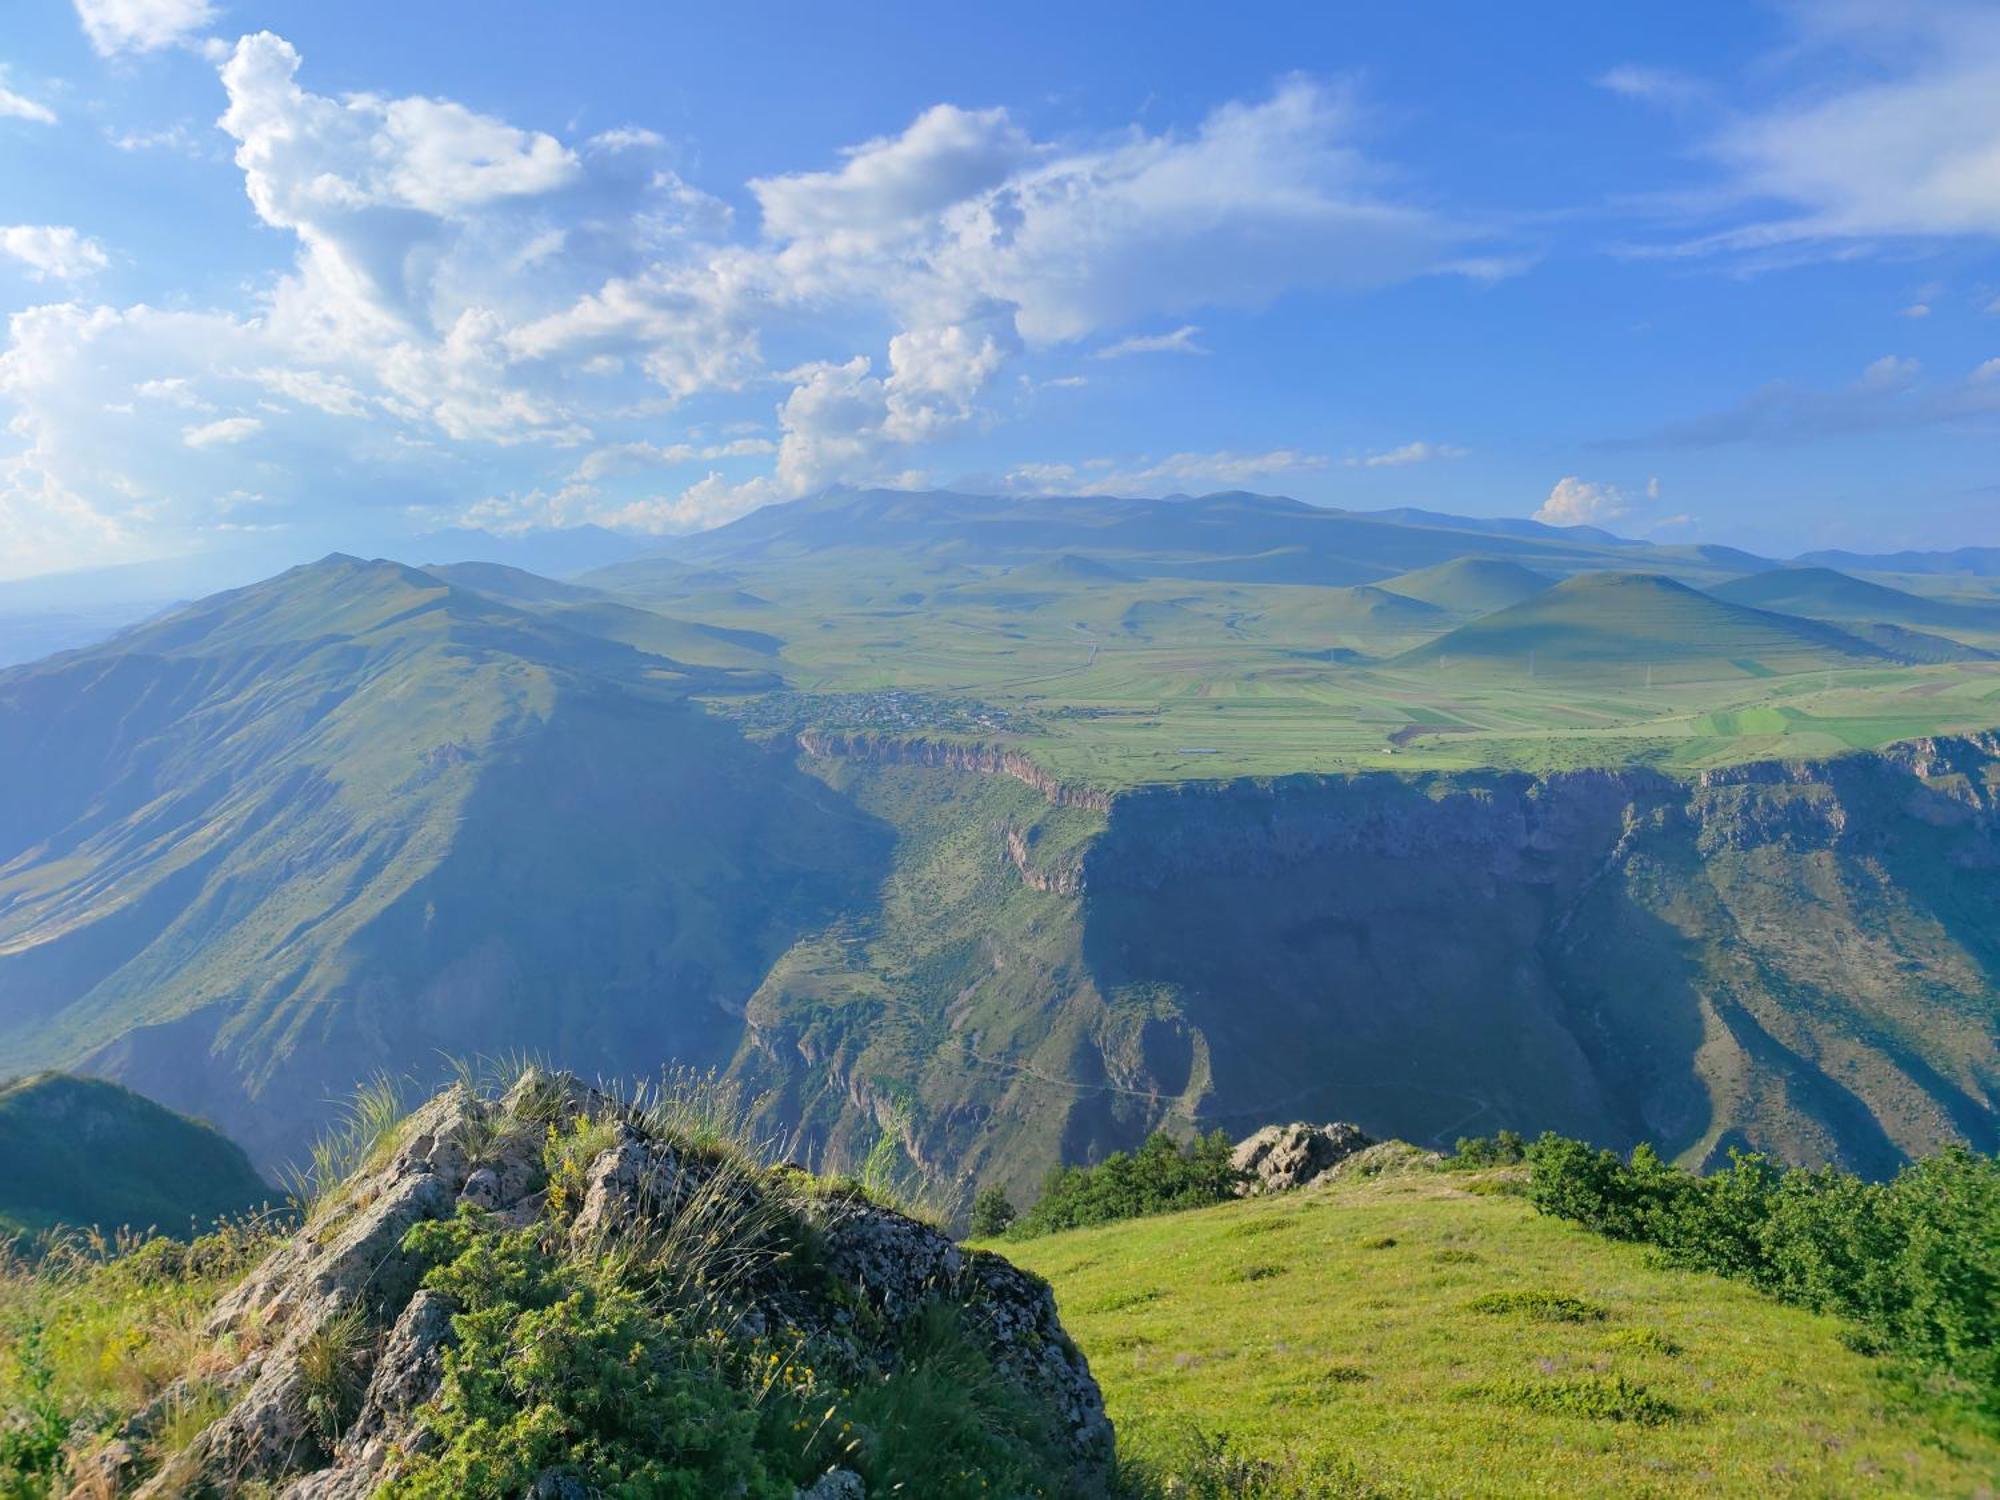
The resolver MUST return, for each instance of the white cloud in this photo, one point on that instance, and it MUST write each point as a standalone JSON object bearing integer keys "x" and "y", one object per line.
{"x": 227, "y": 430}
{"x": 1581, "y": 502}
{"x": 1225, "y": 470}
{"x": 963, "y": 210}
{"x": 52, "y": 252}
{"x": 1654, "y": 85}
{"x": 626, "y": 138}
{"x": 503, "y": 307}
{"x": 1917, "y": 310}
{"x": 1408, "y": 453}
{"x": 15, "y": 106}
{"x": 1901, "y": 144}
{"x": 894, "y": 185}
{"x": 1180, "y": 341}
{"x": 116, "y": 26}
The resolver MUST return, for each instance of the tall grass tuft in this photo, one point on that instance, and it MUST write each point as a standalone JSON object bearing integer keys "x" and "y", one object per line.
{"x": 360, "y": 1137}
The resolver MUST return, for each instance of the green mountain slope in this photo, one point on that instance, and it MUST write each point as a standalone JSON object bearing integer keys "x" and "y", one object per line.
{"x": 1618, "y": 622}
{"x": 1470, "y": 585}
{"x": 1824, "y": 594}
{"x": 1334, "y": 1341}
{"x": 355, "y": 816}
{"x": 83, "y": 1152}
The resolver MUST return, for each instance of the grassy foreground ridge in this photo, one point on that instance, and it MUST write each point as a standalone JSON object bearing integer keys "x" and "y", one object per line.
{"x": 1425, "y": 1335}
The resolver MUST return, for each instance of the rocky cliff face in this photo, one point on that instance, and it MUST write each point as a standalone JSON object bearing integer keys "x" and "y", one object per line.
{"x": 957, "y": 755}
{"x": 1799, "y": 957}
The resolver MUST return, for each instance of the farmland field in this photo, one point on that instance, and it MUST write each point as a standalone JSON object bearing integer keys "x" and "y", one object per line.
{"x": 1117, "y": 682}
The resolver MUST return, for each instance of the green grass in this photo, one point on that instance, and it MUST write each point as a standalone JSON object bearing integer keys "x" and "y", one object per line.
{"x": 1128, "y": 682}
{"x": 1422, "y": 1339}
{"x": 93, "y": 1330}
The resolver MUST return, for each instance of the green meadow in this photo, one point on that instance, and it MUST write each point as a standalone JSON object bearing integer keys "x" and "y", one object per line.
{"x": 1424, "y": 1335}
{"x": 1122, "y": 681}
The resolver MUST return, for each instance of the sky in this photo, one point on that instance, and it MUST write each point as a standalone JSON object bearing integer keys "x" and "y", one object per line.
{"x": 323, "y": 275}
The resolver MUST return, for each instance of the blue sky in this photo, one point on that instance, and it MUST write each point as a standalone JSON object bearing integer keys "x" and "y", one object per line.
{"x": 326, "y": 275}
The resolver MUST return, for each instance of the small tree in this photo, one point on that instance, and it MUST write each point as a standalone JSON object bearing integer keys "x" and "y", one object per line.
{"x": 992, "y": 1212}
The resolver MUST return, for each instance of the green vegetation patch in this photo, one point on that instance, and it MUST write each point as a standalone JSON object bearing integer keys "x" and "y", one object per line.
{"x": 1596, "y": 1398}
{"x": 1159, "y": 1177}
{"x": 1702, "y": 1388}
{"x": 1915, "y": 1262}
{"x": 1542, "y": 1307}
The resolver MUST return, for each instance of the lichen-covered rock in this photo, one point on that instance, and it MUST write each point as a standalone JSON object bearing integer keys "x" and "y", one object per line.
{"x": 627, "y": 1187}
{"x": 347, "y": 1262}
{"x": 643, "y": 1195}
{"x": 1281, "y": 1157}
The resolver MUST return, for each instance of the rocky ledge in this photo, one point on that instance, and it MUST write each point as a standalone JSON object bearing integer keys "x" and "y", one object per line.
{"x": 349, "y": 1278}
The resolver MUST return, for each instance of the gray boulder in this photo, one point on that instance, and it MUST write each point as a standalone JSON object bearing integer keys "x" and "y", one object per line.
{"x": 1281, "y": 1157}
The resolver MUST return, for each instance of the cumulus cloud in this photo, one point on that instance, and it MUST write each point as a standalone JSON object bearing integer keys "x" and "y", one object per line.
{"x": 1582, "y": 502}
{"x": 116, "y": 26}
{"x": 1260, "y": 199}
{"x": 52, "y": 252}
{"x": 476, "y": 306}
{"x": 1180, "y": 341}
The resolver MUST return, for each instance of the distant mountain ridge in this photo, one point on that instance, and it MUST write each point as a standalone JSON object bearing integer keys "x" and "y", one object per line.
{"x": 1233, "y": 536}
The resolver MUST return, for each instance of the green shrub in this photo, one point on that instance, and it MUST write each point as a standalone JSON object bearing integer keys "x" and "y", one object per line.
{"x": 1543, "y": 1307}
{"x": 1915, "y": 1262}
{"x": 1477, "y": 1152}
{"x": 1159, "y": 1177}
{"x": 572, "y": 1363}
{"x": 555, "y": 1371}
{"x": 992, "y": 1213}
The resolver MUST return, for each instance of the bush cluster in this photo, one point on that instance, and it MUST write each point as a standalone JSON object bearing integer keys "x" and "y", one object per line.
{"x": 1915, "y": 1261}
{"x": 1159, "y": 1177}
{"x": 1476, "y": 1152}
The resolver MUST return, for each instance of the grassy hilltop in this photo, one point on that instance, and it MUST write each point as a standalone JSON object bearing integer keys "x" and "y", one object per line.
{"x": 1420, "y": 1336}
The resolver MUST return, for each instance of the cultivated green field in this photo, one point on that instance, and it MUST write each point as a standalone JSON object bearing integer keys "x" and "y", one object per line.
{"x": 1122, "y": 681}
{"x": 1333, "y": 1342}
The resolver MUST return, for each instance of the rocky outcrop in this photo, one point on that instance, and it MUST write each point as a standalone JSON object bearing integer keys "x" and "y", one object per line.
{"x": 1281, "y": 1157}
{"x": 1059, "y": 877}
{"x": 957, "y": 755}
{"x": 341, "y": 1302}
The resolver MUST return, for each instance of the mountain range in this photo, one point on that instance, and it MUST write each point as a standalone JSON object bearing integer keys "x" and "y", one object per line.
{"x": 1007, "y": 830}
